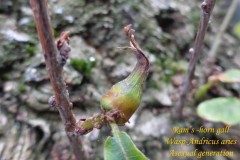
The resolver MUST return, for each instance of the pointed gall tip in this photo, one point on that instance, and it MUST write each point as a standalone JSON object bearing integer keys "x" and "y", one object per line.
{"x": 127, "y": 29}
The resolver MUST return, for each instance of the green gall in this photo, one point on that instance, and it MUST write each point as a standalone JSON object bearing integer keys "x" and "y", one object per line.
{"x": 125, "y": 96}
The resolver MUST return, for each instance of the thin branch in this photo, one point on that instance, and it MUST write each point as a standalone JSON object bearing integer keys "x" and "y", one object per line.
{"x": 51, "y": 59}
{"x": 207, "y": 7}
{"x": 54, "y": 65}
{"x": 217, "y": 40}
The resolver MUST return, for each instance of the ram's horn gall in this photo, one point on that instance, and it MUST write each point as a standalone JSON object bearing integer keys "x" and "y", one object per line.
{"x": 125, "y": 96}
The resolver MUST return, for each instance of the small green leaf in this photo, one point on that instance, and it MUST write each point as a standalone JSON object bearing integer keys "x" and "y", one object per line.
{"x": 202, "y": 91}
{"x": 229, "y": 76}
{"x": 223, "y": 109}
{"x": 121, "y": 147}
{"x": 236, "y": 29}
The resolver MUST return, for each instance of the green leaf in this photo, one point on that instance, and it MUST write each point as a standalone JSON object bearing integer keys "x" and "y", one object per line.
{"x": 229, "y": 76}
{"x": 236, "y": 29}
{"x": 223, "y": 109}
{"x": 121, "y": 147}
{"x": 202, "y": 91}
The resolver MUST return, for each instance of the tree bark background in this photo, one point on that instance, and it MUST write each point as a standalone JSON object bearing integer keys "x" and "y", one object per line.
{"x": 31, "y": 129}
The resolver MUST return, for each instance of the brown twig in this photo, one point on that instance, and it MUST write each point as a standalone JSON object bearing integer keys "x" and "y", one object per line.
{"x": 54, "y": 65}
{"x": 207, "y": 7}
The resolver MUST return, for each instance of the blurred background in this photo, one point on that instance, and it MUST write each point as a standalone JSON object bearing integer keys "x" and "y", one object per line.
{"x": 165, "y": 29}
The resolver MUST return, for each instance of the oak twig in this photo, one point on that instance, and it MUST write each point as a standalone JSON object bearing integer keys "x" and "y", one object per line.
{"x": 54, "y": 65}
{"x": 207, "y": 7}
